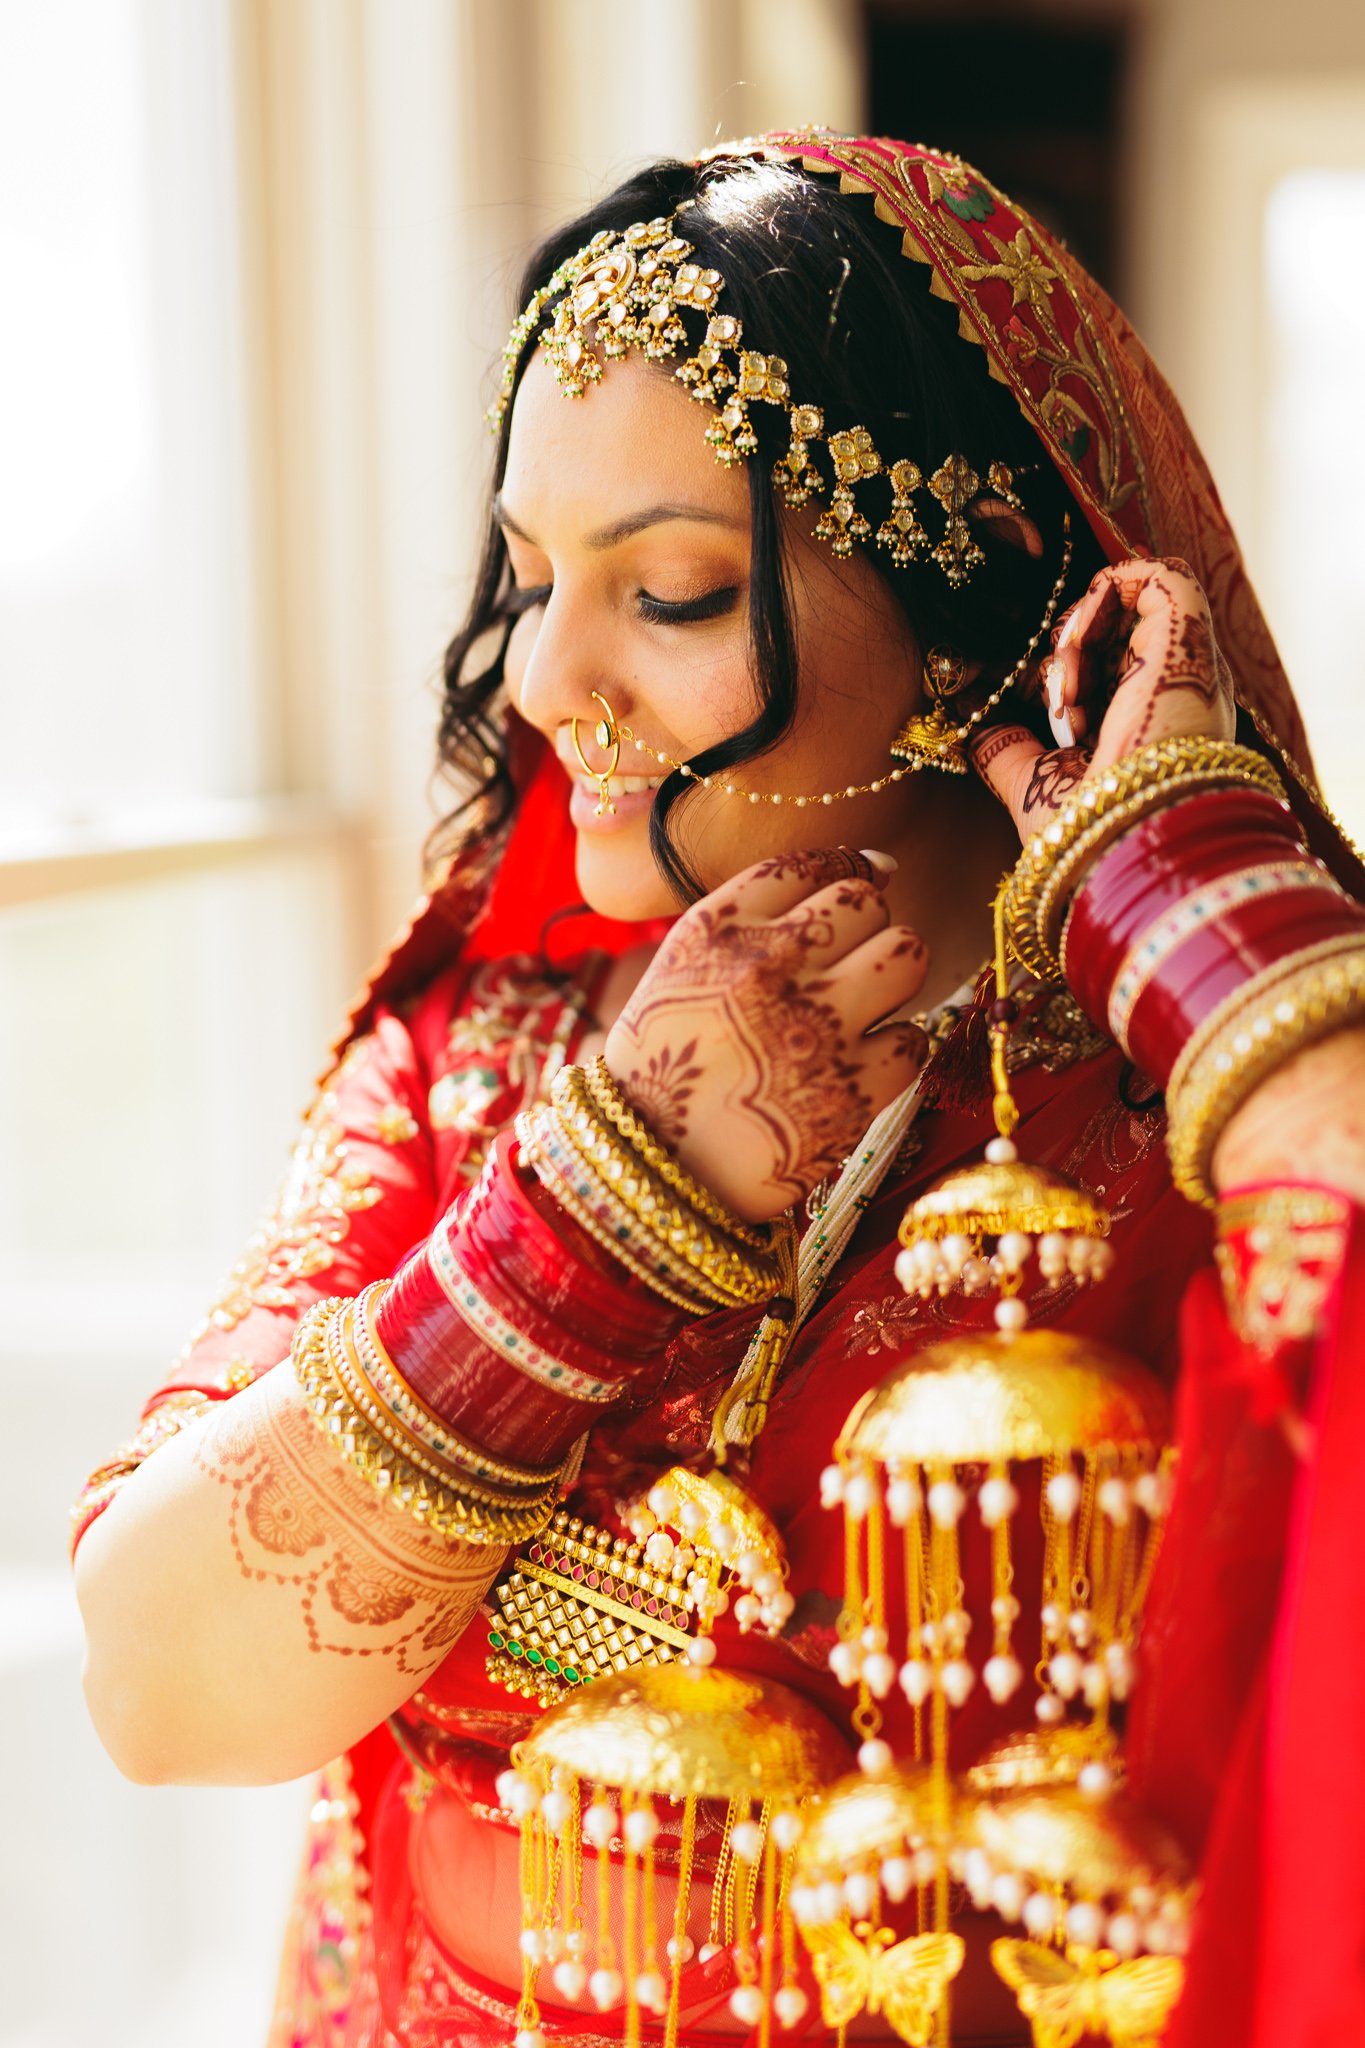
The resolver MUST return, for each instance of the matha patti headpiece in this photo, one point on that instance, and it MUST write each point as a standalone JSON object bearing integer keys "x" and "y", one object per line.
{"x": 629, "y": 290}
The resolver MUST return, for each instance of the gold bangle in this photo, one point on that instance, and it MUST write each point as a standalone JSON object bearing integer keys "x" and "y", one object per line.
{"x": 605, "y": 1092}
{"x": 1100, "y": 812}
{"x": 439, "y": 1508}
{"x": 382, "y": 1382}
{"x": 626, "y": 1185}
{"x": 339, "y": 1348}
{"x": 1253, "y": 990}
{"x": 1259, "y": 1038}
{"x": 620, "y": 1232}
{"x": 533, "y": 1151}
{"x": 742, "y": 1278}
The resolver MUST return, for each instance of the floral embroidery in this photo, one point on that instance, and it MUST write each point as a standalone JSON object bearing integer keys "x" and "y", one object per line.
{"x": 950, "y": 185}
{"x": 884, "y": 1325}
{"x": 323, "y": 1189}
{"x": 1022, "y": 268}
{"x": 1053, "y": 1033}
{"x": 1279, "y": 1255}
{"x": 327, "y": 1995}
{"x": 395, "y": 1124}
{"x": 502, "y": 1052}
{"x": 1020, "y": 344}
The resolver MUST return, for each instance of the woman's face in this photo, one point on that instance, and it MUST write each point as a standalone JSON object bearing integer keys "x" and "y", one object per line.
{"x": 615, "y": 507}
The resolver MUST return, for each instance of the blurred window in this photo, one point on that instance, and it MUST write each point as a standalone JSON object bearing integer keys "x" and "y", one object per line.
{"x": 1313, "y": 461}
{"x": 174, "y": 935}
{"x": 125, "y": 606}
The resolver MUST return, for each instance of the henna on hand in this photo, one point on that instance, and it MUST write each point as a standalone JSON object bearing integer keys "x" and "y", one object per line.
{"x": 1054, "y": 777}
{"x": 744, "y": 1044}
{"x": 1135, "y": 660}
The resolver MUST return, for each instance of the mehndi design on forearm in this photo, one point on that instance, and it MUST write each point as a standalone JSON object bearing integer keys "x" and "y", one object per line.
{"x": 369, "y": 1582}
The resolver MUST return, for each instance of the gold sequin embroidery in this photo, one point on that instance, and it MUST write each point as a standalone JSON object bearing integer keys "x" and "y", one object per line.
{"x": 395, "y": 1124}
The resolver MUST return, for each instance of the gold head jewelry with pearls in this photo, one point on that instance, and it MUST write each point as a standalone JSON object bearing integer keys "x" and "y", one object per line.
{"x": 630, "y": 290}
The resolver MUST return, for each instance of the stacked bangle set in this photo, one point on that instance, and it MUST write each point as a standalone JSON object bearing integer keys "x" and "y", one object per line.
{"x": 459, "y": 1388}
{"x": 605, "y": 1167}
{"x": 1176, "y": 898}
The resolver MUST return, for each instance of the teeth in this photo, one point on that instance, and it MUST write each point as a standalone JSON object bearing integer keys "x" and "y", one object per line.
{"x": 628, "y": 785}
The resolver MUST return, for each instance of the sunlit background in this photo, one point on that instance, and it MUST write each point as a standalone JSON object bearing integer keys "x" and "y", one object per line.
{"x": 254, "y": 265}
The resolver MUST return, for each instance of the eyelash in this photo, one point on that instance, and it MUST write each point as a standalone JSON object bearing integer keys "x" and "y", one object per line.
{"x": 712, "y": 604}
{"x": 656, "y": 611}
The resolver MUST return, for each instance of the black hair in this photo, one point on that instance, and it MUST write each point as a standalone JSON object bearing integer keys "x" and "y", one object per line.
{"x": 817, "y": 279}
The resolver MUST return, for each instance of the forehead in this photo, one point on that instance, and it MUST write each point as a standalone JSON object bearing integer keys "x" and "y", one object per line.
{"x": 633, "y": 437}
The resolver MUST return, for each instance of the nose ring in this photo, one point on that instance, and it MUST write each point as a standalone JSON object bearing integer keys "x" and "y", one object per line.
{"x": 607, "y": 734}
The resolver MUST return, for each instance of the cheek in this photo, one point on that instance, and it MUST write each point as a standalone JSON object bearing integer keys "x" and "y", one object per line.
{"x": 705, "y": 696}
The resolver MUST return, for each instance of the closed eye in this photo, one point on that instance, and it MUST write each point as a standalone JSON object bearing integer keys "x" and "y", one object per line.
{"x": 712, "y": 604}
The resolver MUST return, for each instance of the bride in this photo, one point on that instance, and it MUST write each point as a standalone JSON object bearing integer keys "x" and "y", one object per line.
{"x": 843, "y": 537}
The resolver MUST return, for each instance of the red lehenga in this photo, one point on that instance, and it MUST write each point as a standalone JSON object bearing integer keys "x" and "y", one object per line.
{"x": 1244, "y": 1734}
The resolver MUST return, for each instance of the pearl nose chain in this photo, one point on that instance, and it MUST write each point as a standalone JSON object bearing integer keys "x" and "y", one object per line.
{"x": 939, "y": 749}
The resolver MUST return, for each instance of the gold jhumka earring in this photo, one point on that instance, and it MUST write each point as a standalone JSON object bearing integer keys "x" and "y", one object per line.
{"x": 931, "y": 739}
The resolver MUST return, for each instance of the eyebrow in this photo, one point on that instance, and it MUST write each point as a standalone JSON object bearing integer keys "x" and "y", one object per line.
{"x": 611, "y": 535}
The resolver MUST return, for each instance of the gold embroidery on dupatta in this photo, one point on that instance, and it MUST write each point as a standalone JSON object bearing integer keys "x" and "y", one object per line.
{"x": 395, "y": 1124}
{"x": 940, "y": 239}
{"x": 323, "y": 1189}
{"x": 1054, "y": 1034}
{"x": 1292, "y": 1245}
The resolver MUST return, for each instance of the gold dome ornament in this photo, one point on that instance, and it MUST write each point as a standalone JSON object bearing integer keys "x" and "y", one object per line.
{"x": 1103, "y": 1894}
{"x": 938, "y": 1440}
{"x": 981, "y": 1227}
{"x": 868, "y": 1845}
{"x": 734, "y": 1552}
{"x": 620, "y": 1765}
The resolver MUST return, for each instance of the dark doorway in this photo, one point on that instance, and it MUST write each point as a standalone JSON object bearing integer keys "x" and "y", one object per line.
{"x": 1033, "y": 99}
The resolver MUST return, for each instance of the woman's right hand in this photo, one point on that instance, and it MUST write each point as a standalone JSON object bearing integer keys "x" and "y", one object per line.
{"x": 750, "y": 1045}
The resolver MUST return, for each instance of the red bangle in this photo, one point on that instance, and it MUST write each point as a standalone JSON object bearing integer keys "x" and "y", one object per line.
{"x": 1152, "y": 868}
{"x": 1185, "y": 908}
{"x": 485, "y": 1322}
{"x": 1219, "y": 958}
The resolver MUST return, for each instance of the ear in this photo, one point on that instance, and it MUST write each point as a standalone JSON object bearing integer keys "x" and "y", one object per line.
{"x": 1015, "y": 529}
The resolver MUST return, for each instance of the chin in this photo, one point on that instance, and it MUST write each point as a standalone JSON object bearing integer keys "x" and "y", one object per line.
{"x": 619, "y": 879}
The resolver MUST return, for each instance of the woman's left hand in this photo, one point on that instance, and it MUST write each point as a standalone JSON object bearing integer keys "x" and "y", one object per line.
{"x": 1133, "y": 661}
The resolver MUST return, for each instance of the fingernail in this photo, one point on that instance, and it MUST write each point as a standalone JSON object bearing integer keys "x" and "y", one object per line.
{"x": 1069, "y": 631}
{"x": 1063, "y": 731}
{"x": 884, "y": 863}
{"x": 1053, "y": 682}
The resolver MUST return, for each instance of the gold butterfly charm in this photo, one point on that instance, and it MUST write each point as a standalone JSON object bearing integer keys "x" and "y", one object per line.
{"x": 1063, "y": 1997}
{"x": 855, "y": 1967}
